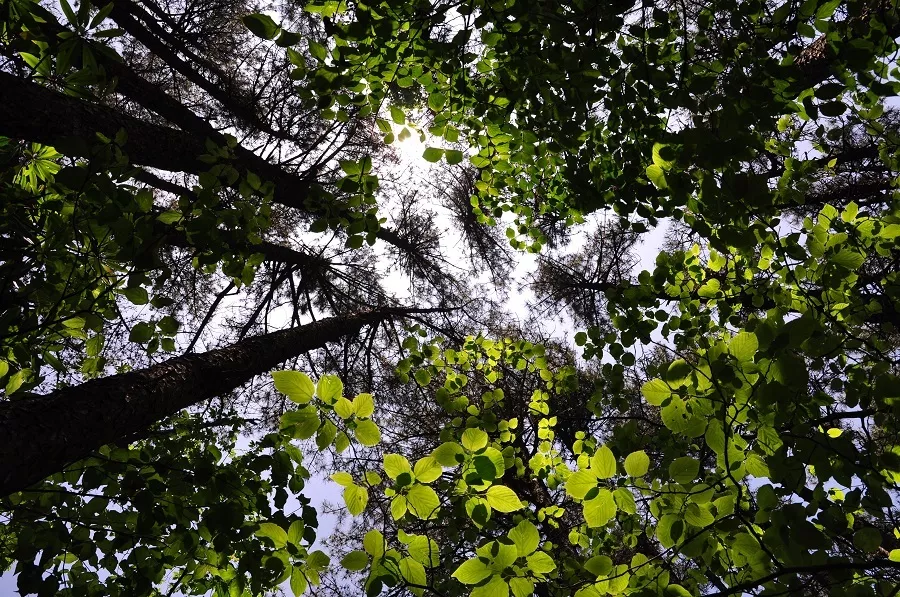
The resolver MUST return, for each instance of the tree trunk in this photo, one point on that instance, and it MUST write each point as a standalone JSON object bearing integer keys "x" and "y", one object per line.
{"x": 32, "y": 112}
{"x": 43, "y": 434}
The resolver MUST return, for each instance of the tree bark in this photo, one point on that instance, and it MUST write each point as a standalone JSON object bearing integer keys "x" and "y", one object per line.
{"x": 41, "y": 435}
{"x": 33, "y": 112}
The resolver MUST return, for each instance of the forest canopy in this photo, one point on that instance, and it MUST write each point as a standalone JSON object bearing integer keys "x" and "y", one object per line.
{"x": 226, "y": 287}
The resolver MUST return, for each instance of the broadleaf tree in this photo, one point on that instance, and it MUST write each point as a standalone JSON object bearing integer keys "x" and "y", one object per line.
{"x": 181, "y": 178}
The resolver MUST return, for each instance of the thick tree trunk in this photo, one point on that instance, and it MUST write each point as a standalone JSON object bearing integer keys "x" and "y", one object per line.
{"x": 40, "y": 436}
{"x": 33, "y": 112}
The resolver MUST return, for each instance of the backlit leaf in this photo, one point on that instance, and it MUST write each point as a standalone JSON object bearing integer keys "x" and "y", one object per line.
{"x": 503, "y": 499}
{"x": 295, "y": 385}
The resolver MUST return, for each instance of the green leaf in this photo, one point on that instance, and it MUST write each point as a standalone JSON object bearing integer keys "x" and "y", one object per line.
{"x": 663, "y": 156}
{"x": 318, "y": 560}
{"x": 867, "y": 539}
{"x": 343, "y": 479}
{"x": 425, "y": 551}
{"x": 503, "y": 499}
{"x": 436, "y": 101}
{"x": 169, "y": 217}
{"x": 364, "y": 405}
{"x": 600, "y": 510}
{"x": 93, "y": 347}
{"x": 141, "y": 333}
{"x": 274, "y": 532}
{"x": 423, "y": 502}
{"x": 657, "y": 176}
{"x": 674, "y": 415}
{"x": 744, "y": 346}
{"x": 500, "y": 554}
{"x": 295, "y": 385}
{"x": 356, "y": 497}
{"x": 446, "y": 454}
{"x": 684, "y": 469}
{"x": 715, "y": 438}
{"x": 625, "y": 500}
{"x": 637, "y": 464}
{"x": 580, "y": 483}
{"x": 669, "y": 530}
{"x": 698, "y": 515}
{"x": 137, "y": 295}
{"x": 521, "y": 587}
{"x": 355, "y": 560}
{"x": 168, "y": 325}
{"x": 656, "y": 391}
{"x": 496, "y": 587}
{"x": 305, "y": 422}
{"x": 261, "y": 25}
{"x": 848, "y": 258}
{"x": 367, "y": 433}
{"x": 344, "y": 408}
{"x": 318, "y": 51}
{"x": 453, "y": 156}
{"x": 74, "y": 323}
{"x": 485, "y": 468}
{"x": 474, "y": 439}
{"x": 295, "y": 533}
{"x": 329, "y": 388}
{"x": 678, "y": 370}
{"x": 299, "y": 583}
{"x": 398, "y": 507}
{"x": 526, "y": 537}
{"x": 677, "y": 591}
{"x": 395, "y": 465}
{"x": 541, "y": 563}
{"x": 599, "y": 565}
{"x": 490, "y": 38}
{"x": 709, "y": 289}
{"x": 603, "y": 463}
{"x": 341, "y": 442}
{"x": 397, "y": 115}
{"x": 423, "y": 377}
{"x": 427, "y": 469}
{"x": 373, "y": 543}
{"x": 15, "y": 382}
{"x": 829, "y": 91}
{"x": 472, "y": 572}
{"x": 413, "y": 572}
{"x": 433, "y": 154}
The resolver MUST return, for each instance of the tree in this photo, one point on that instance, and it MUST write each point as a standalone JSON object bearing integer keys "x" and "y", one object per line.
{"x": 729, "y": 426}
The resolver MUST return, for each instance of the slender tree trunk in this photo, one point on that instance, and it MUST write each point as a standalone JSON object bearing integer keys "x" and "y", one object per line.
{"x": 40, "y": 436}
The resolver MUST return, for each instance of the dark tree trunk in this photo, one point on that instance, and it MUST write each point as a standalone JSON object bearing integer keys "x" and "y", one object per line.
{"x": 32, "y": 112}
{"x": 41, "y": 435}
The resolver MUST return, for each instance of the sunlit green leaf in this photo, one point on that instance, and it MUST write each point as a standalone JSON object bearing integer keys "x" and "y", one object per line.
{"x": 295, "y": 385}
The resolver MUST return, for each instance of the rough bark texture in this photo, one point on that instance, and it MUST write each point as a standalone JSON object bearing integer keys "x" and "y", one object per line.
{"x": 32, "y": 112}
{"x": 815, "y": 59}
{"x": 42, "y": 435}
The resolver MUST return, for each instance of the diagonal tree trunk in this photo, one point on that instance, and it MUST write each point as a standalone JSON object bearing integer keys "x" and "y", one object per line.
{"x": 41, "y": 435}
{"x": 32, "y": 112}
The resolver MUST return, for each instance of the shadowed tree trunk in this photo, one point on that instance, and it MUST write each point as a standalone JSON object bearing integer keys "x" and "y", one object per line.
{"x": 43, "y": 434}
{"x": 32, "y": 112}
